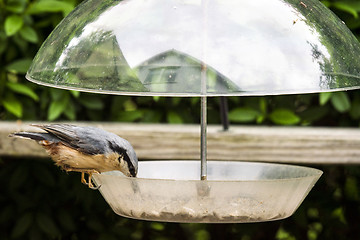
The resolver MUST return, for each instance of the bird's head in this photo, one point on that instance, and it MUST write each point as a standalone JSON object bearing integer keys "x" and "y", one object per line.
{"x": 126, "y": 159}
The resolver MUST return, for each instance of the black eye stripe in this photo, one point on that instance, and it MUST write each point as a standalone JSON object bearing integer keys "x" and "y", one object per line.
{"x": 121, "y": 151}
{"x": 114, "y": 147}
{"x": 123, "y": 156}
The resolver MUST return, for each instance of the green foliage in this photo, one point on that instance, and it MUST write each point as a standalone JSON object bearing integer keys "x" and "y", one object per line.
{"x": 50, "y": 6}
{"x": 40, "y": 202}
{"x": 19, "y": 66}
{"x": 25, "y": 24}
{"x": 22, "y": 89}
{"x": 284, "y": 117}
{"x": 351, "y": 7}
{"x": 324, "y": 97}
{"x": 341, "y": 102}
{"x": 243, "y": 114}
{"x": 13, "y": 24}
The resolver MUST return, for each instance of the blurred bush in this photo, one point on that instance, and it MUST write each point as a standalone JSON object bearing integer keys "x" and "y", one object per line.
{"x": 40, "y": 202}
{"x": 25, "y": 24}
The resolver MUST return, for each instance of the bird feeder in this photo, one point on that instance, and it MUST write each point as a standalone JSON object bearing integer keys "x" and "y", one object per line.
{"x": 202, "y": 48}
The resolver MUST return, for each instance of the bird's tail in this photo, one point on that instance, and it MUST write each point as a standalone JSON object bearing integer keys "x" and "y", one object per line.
{"x": 30, "y": 135}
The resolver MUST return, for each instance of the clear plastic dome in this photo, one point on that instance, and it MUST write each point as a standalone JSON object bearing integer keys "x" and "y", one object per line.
{"x": 199, "y": 48}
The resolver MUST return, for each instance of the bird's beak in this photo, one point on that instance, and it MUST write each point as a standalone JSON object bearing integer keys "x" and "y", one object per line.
{"x": 132, "y": 171}
{"x": 132, "y": 174}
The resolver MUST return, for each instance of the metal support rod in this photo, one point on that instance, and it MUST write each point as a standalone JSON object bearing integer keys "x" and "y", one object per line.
{"x": 203, "y": 138}
{"x": 224, "y": 113}
{"x": 204, "y": 5}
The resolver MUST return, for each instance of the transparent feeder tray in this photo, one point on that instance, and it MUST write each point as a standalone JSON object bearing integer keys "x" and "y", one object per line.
{"x": 234, "y": 192}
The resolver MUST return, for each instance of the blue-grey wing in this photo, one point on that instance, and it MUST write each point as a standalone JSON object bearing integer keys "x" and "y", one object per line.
{"x": 36, "y": 136}
{"x": 88, "y": 140}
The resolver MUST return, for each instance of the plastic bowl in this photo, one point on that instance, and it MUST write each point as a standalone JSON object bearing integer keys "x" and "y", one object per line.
{"x": 234, "y": 191}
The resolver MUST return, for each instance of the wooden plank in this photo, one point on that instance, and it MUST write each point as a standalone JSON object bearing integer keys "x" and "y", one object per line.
{"x": 306, "y": 145}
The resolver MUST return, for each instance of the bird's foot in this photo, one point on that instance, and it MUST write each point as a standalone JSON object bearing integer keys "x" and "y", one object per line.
{"x": 83, "y": 181}
{"x": 89, "y": 182}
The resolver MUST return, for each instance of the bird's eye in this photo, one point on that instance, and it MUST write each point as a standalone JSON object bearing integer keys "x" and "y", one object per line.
{"x": 121, "y": 157}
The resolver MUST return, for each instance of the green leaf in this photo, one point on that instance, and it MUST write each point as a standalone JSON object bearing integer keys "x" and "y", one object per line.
{"x": 21, "y": 43}
{"x": 341, "y": 101}
{"x": 70, "y": 111}
{"x": 152, "y": 116}
{"x": 314, "y": 113}
{"x": 50, "y": 6}
{"x": 157, "y": 226}
{"x": 11, "y": 77}
{"x": 351, "y": 189}
{"x": 355, "y": 108}
{"x": 346, "y": 7}
{"x": 29, "y": 34}
{"x": 92, "y": 102}
{"x": 174, "y": 118}
{"x": 22, "y": 89}
{"x": 284, "y": 117}
{"x": 129, "y": 105}
{"x": 47, "y": 224}
{"x": 156, "y": 98}
{"x": 130, "y": 116}
{"x": 326, "y": 3}
{"x": 15, "y": 6}
{"x": 13, "y": 24}
{"x": 260, "y": 119}
{"x": 14, "y": 106}
{"x": 19, "y": 66}
{"x": 244, "y": 114}
{"x": 339, "y": 214}
{"x": 324, "y": 97}
{"x": 57, "y": 94}
{"x": 57, "y": 108}
{"x": 202, "y": 234}
{"x": 76, "y": 94}
{"x": 313, "y": 212}
{"x": 263, "y": 105}
{"x": 22, "y": 225}
{"x": 282, "y": 234}
{"x": 3, "y": 42}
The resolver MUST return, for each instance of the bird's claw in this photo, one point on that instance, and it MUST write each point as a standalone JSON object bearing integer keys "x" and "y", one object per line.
{"x": 91, "y": 186}
{"x": 89, "y": 182}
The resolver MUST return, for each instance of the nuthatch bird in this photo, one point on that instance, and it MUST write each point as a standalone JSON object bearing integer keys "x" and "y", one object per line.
{"x": 85, "y": 149}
